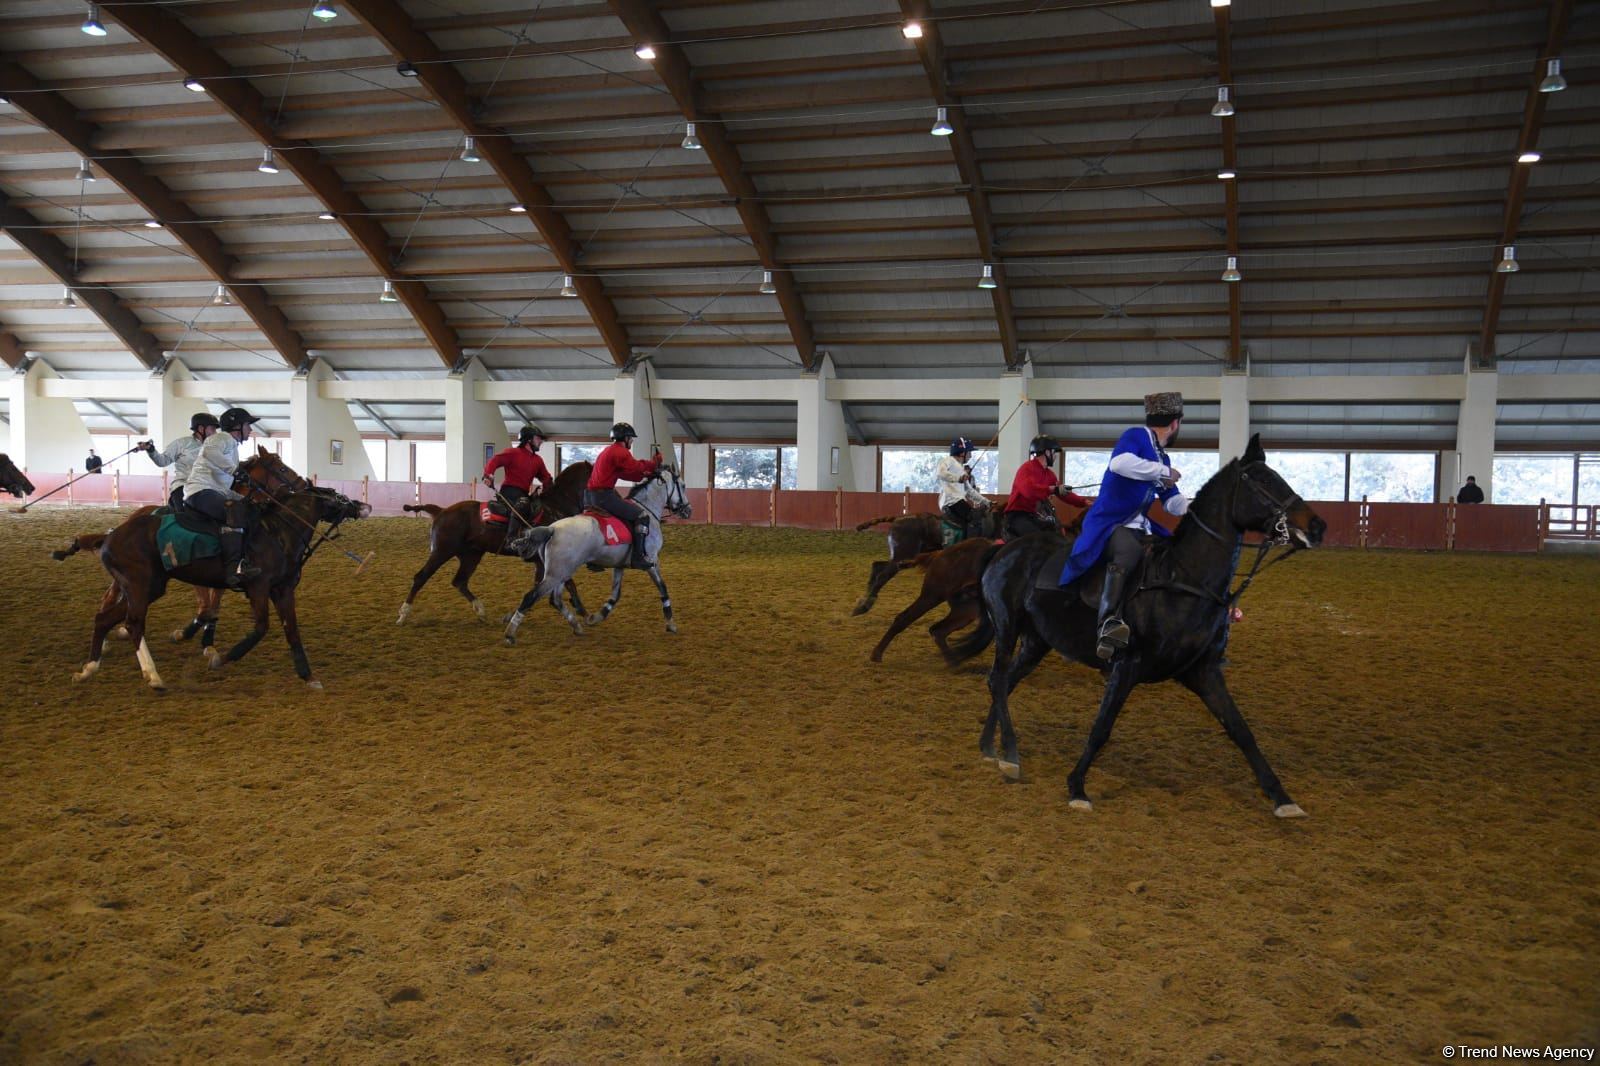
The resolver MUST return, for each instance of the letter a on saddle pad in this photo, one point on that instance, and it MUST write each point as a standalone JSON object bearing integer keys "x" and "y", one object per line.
{"x": 180, "y": 546}
{"x": 491, "y": 517}
{"x": 613, "y": 528}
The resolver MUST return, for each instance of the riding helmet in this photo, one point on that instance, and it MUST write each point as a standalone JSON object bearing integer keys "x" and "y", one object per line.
{"x": 623, "y": 432}
{"x": 528, "y": 433}
{"x": 204, "y": 418}
{"x": 235, "y": 417}
{"x": 1043, "y": 444}
{"x": 960, "y": 446}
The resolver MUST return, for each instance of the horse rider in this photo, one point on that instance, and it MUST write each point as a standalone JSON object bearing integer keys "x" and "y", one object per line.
{"x": 208, "y": 491}
{"x": 962, "y": 505}
{"x": 181, "y": 452}
{"x": 1028, "y": 509}
{"x": 523, "y": 465}
{"x": 616, "y": 463}
{"x": 1139, "y": 473}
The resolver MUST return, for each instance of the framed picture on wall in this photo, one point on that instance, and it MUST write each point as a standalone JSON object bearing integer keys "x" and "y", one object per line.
{"x": 833, "y": 462}
{"x": 336, "y": 452}
{"x": 488, "y": 453}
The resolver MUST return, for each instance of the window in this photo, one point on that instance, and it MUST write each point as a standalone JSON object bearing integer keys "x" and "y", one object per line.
{"x": 1197, "y": 468}
{"x": 745, "y": 468}
{"x": 1589, "y": 479}
{"x": 1083, "y": 470}
{"x": 378, "y": 456}
{"x": 917, "y": 468}
{"x": 789, "y": 468}
{"x": 567, "y": 454}
{"x": 1530, "y": 478}
{"x": 1392, "y": 477}
{"x": 430, "y": 460}
{"x": 1314, "y": 475}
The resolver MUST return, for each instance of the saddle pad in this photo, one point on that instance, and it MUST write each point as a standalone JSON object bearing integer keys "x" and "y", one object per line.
{"x": 614, "y": 529}
{"x": 180, "y": 546}
{"x": 490, "y": 516}
{"x": 1049, "y": 577}
{"x": 951, "y": 534}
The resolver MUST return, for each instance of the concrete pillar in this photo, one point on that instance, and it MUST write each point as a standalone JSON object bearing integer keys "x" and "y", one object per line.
{"x": 1474, "y": 452}
{"x": 168, "y": 413}
{"x": 822, "y": 439}
{"x": 697, "y": 466}
{"x": 864, "y": 461}
{"x": 315, "y": 422}
{"x": 635, "y": 404}
{"x": 46, "y": 433}
{"x": 470, "y": 424}
{"x": 397, "y": 460}
{"x": 1233, "y": 426}
{"x": 1019, "y": 422}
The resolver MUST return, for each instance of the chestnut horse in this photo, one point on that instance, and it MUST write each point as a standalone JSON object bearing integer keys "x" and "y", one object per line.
{"x": 13, "y": 480}
{"x": 283, "y": 541}
{"x": 207, "y": 602}
{"x": 950, "y": 576}
{"x": 459, "y": 532}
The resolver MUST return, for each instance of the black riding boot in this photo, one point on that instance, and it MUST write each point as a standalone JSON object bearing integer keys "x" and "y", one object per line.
{"x": 235, "y": 568}
{"x": 1114, "y": 632}
{"x": 641, "y": 530}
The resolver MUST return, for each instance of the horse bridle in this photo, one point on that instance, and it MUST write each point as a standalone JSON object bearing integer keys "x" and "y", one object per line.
{"x": 677, "y": 498}
{"x": 272, "y": 477}
{"x": 1279, "y": 536}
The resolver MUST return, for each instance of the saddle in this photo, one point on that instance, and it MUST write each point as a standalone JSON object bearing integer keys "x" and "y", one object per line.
{"x": 1088, "y": 584}
{"x": 191, "y": 520}
{"x": 182, "y": 538}
{"x": 494, "y": 513}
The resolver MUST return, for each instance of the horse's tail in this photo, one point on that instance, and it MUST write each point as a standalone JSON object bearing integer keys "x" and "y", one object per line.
{"x": 433, "y": 510}
{"x": 531, "y": 545}
{"x": 878, "y": 522}
{"x": 83, "y": 542}
{"x": 982, "y": 635}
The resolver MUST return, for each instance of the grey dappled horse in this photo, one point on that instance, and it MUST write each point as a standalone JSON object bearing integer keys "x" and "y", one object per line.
{"x": 566, "y": 545}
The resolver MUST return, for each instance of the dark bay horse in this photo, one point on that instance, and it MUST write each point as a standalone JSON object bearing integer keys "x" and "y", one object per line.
{"x": 282, "y": 542}
{"x": 1179, "y": 612}
{"x": 459, "y": 532}
{"x": 13, "y": 480}
{"x": 952, "y": 577}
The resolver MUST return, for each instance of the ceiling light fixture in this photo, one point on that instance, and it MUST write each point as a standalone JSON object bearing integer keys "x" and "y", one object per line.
{"x": 1509, "y": 264}
{"x": 1530, "y": 156}
{"x": 1223, "y": 107}
{"x": 193, "y": 85}
{"x": 567, "y": 288}
{"x": 1227, "y": 174}
{"x": 519, "y": 209}
{"x": 767, "y": 287}
{"x": 324, "y": 11}
{"x": 690, "y": 141}
{"x": 91, "y": 22}
{"x": 406, "y": 70}
{"x": 388, "y": 295}
{"x": 645, "y": 51}
{"x": 1553, "y": 81}
{"x": 1230, "y": 273}
{"x": 912, "y": 31}
{"x": 941, "y": 123}
{"x": 469, "y": 150}
{"x": 269, "y": 163}
{"x": 68, "y": 299}
{"x": 326, "y": 216}
{"x": 221, "y": 298}
{"x": 1221, "y": 3}
{"x": 151, "y": 223}
{"x": 986, "y": 279}
{"x": 84, "y": 171}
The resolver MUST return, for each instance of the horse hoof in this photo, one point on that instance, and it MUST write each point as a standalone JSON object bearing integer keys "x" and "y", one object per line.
{"x": 314, "y": 685}
{"x": 215, "y": 662}
{"x": 1289, "y": 810}
{"x": 509, "y": 641}
{"x": 158, "y": 685}
{"x": 594, "y": 619}
{"x": 1011, "y": 770}
{"x": 579, "y": 631}
{"x": 1080, "y": 805}
{"x": 405, "y": 612}
{"x": 672, "y": 627}
{"x": 479, "y": 610}
{"x": 86, "y": 673}
{"x": 177, "y": 636}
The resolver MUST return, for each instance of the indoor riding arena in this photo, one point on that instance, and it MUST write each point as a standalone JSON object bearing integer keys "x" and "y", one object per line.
{"x": 360, "y": 314}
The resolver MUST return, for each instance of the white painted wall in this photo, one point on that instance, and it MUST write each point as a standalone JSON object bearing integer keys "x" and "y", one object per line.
{"x": 469, "y": 424}
{"x": 820, "y": 430}
{"x": 46, "y": 432}
{"x": 168, "y": 412}
{"x": 315, "y": 421}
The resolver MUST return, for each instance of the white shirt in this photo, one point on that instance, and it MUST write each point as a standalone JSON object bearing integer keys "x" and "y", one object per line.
{"x": 180, "y": 456}
{"x": 1130, "y": 466}
{"x": 951, "y": 490}
{"x": 213, "y": 467}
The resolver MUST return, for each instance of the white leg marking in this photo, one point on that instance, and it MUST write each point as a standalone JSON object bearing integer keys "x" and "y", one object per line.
{"x": 405, "y": 612}
{"x": 1289, "y": 810}
{"x": 88, "y": 671}
{"x": 1080, "y": 805}
{"x": 147, "y": 663}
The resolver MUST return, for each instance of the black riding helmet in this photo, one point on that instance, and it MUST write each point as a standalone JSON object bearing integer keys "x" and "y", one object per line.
{"x": 960, "y": 446}
{"x": 528, "y": 433}
{"x": 1043, "y": 444}
{"x": 236, "y": 417}
{"x": 623, "y": 432}
{"x": 204, "y": 418}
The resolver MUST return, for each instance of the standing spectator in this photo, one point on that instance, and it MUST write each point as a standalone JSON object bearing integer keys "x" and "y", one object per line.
{"x": 1470, "y": 492}
{"x": 92, "y": 464}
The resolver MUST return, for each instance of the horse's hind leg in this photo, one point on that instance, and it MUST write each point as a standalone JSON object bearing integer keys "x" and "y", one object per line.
{"x": 611, "y": 602}
{"x": 436, "y": 558}
{"x": 113, "y": 609}
{"x": 545, "y": 588}
{"x": 469, "y": 565}
{"x": 1206, "y": 681}
{"x": 1118, "y": 684}
{"x": 137, "y": 608}
{"x": 962, "y": 614}
{"x": 924, "y": 603}
{"x": 882, "y": 571}
{"x": 1030, "y": 649}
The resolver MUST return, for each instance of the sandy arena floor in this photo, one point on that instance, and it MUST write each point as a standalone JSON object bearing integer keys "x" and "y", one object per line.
{"x": 746, "y": 843}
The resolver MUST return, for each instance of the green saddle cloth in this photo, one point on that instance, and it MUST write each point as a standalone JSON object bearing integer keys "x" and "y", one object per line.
{"x": 180, "y": 546}
{"x": 951, "y": 534}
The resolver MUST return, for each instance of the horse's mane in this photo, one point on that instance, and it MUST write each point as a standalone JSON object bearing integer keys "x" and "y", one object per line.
{"x": 1211, "y": 489}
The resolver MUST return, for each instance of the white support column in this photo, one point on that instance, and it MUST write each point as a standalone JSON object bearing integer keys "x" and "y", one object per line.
{"x": 1474, "y": 454}
{"x": 168, "y": 413}
{"x": 638, "y": 403}
{"x": 697, "y": 466}
{"x": 316, "y": 421}
{"x": 864, "y": 459}
{"x": 1233, "y": 425}
{"x": 46, "y": 433}
{"x": 821, "y": 437}
{"x": 469, "y": 424}
{"x": 1019, "y": 422}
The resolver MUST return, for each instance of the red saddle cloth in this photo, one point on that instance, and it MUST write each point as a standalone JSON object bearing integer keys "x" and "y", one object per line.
{"x": 614, "y": 529}
{"x": 490, "y": 518}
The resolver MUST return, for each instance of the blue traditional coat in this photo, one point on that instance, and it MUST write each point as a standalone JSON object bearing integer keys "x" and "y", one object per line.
{"x": 1119, "y": 500}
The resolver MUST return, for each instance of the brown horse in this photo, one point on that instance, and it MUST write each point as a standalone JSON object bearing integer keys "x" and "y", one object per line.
{"x": 950, "y": 576}
{"x": 459, "y": 532}
{"x": 207, "y": 602}
{"x": 292, "y": 510}
{"x": 13, "y": 480}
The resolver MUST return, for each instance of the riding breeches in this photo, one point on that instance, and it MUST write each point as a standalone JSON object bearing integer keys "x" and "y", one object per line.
{"x": 612, "y": 503}
{"x": 238, "y": 514}
{"x": 969, "y": 518}
{"x": 1021, "y": 523}
{"x": 1123, "y": 548}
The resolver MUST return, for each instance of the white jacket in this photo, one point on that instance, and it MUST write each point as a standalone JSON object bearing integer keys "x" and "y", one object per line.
{"x": 213, "y": 467}
{"x": 951, "y": 489}
{"x": 180, "y": 456}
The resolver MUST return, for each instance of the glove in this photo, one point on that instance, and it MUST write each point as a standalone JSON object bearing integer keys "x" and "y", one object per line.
{"x": 147, "y": 446}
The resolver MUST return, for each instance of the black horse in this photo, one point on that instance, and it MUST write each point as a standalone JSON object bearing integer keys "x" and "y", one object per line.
{"x": 1179, "y": 613}
{"x": 13, "y": 480}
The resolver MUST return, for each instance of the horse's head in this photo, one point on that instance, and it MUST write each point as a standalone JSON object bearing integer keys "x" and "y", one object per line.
{"x": 335, "y": 507}
{"x": 1264, "y": 502}
{"x": 663, "y": 493}
{"x": 12, "y": 480}
{"x": 265, "y": 473}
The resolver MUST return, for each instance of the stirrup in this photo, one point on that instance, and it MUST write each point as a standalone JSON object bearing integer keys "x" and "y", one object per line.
{"x": 1114, "y": 637}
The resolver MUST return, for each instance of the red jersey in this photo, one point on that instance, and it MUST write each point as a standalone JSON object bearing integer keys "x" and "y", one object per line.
{"x": 521, "y": 466}
{"x": 617, "y": 463}
{"x": 1033, "y": 485}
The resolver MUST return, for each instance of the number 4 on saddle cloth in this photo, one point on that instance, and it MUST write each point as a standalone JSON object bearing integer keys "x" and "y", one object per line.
{"x": 614, "y": 529}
